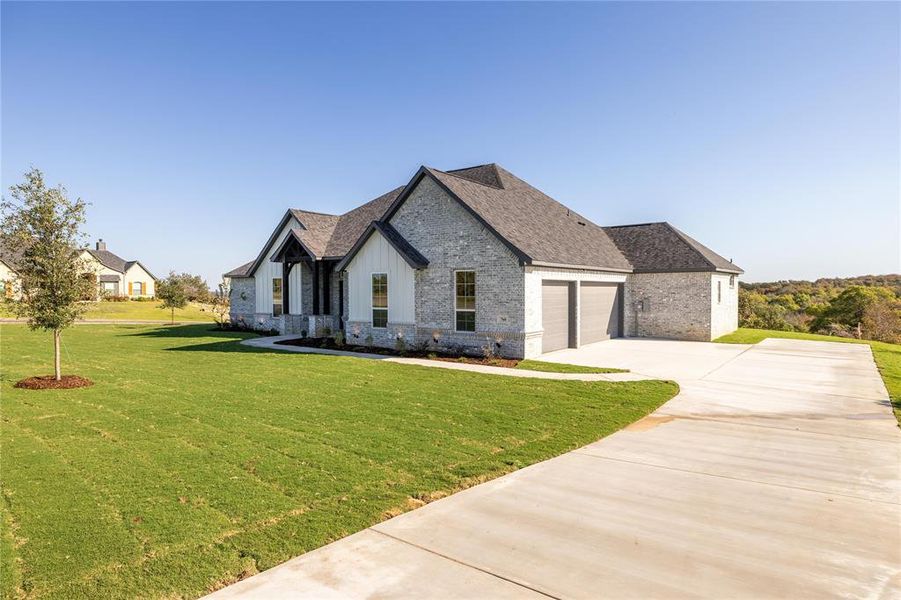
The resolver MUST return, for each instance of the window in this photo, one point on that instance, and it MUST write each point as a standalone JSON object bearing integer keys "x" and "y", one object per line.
{"x": 465, "y": 300}
{"x": 380, "y": 300}
{"x": 137, "y": 288}
{"x": 110, "y": 288}
{"x": 719, "y": 292}
{"x": 276, "y": 296}
{"x": 731, "y": 282}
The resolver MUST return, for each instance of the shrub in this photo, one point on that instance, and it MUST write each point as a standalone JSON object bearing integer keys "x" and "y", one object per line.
{"x": 339, "y": 339}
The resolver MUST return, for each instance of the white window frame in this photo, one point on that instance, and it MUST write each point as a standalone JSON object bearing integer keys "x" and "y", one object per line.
{"x": 281, "y": 301}
{"x": 456, "y": 309}
{"x": 140, "y": 286}
{"x": 387, "y": 300}
{"x": 731, "y": 282}
{"x": 719, "y": 292}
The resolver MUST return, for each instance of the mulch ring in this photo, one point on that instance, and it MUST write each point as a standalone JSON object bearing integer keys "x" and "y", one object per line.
{"x": 49, "y": 382}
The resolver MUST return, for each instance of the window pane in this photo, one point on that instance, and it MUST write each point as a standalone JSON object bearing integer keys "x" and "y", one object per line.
{"x": 379, "y": 317}
{"x": 466, "y": 320}
{"x": 466, "y": 290}
{"x": 277, "y": 290}
{"x": 380, "y": 290}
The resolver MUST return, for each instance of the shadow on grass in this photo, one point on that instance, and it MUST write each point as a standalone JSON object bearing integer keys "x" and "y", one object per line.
{"x": 229, "y": 339}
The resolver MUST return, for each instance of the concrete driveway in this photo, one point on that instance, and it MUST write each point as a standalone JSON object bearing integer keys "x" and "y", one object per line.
{"x": 774, "y": 473}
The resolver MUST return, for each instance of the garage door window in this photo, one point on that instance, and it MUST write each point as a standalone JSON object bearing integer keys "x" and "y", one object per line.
{"x": 465, "y": 301}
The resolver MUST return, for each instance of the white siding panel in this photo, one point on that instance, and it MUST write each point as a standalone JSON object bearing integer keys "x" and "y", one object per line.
{"x": 378, "y": 256}
{"x": 137, "y": 273}
{"x": 269, "y": 270}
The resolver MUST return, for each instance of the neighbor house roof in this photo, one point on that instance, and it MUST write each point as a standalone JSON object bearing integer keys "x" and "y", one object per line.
{"x": 660, "y": 247}
{"x": 410, "y": 254}
{"x": 108, "y": 259}
{"x": 10, "y": 256}
{"x": 537, "y": 228}
{"x": 116, "y": 263}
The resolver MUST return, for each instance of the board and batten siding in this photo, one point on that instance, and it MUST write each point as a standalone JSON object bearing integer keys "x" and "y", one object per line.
{"x": 378, "y": 256}
{"x": 268, "y": 270}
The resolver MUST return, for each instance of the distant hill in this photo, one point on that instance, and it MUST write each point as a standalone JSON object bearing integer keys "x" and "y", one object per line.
{"x": 830, "y": 285}
{"x": 868, "y": 306}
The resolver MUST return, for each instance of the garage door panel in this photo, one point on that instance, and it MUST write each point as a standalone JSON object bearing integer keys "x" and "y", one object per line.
{"x": 599, "y": 304}
{"x": 555, "y": 315}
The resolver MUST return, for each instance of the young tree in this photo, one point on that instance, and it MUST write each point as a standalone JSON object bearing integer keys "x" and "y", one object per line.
{"x": 221, "y": 303}
{"x": 171, "y": 291}
{"x": 195, "y": 288}
{"x": 45, "y": 226}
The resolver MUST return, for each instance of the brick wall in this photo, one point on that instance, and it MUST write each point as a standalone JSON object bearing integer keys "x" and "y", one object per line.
{"x": 676, "y": 305}
{"x": 452, "y": 239}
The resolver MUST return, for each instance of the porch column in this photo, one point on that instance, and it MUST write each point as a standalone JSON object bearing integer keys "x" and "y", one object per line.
{"x": 286, "y": 287}
{"x": 316, "y": 287}
{"x": 327, "y": 290}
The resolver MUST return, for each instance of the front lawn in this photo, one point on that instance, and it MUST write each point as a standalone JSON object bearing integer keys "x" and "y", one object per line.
{"x": 194, "y": 461}
{"x": 552, "y": 367}
{"x": 887, "y": 356}
{"x": 135, "y": 311}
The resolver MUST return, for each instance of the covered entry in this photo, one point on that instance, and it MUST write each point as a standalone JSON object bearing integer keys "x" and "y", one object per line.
{"x": 600, "y": 305}
{"x": 557, "y": 310}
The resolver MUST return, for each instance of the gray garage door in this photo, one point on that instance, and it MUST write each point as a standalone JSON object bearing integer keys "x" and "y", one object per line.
{"x": 599, "y": 305}
{"x": 555, "y": 315}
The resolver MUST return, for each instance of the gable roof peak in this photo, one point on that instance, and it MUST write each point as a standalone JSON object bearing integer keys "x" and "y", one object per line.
{"x": 487, "y": 174}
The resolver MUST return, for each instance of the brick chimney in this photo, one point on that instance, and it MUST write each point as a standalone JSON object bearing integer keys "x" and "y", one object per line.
{"x": 101, "y": 245}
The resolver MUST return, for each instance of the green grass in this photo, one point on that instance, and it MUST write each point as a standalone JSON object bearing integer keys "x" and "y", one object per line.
{"x": 887, "y": 356}
{"x": 551, "y": 367}
{"x": 195, "y": 461}
{"x": 135, "y": 311}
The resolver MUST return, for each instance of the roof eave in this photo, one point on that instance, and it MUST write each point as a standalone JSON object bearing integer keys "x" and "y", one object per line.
{"x": 538, "y": 263}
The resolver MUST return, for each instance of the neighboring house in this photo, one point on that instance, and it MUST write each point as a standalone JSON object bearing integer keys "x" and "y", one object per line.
{"x": 9, "y": 277}
{"x": 116, "y": 276}
{"x": 476, "y": 257}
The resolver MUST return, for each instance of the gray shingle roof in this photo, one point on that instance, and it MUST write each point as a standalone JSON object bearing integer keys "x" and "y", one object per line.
{"x": 542, "y": 229}
{"x": 660, "y": 247}
{"x": 242, "y": 271}
{"x": 109, "y": 278}
{"x": 10, "y": 256}
{"x": 537, "y": 228}
{"x": 109, "y": 260}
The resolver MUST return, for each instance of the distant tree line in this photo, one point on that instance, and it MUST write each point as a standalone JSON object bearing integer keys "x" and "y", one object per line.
{"x": 866, "y": 307}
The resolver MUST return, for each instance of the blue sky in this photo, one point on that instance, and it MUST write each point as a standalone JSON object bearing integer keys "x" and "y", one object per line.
{"x": 768, "y": 131}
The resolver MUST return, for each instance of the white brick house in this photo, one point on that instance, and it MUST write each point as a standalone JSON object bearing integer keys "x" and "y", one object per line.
{"x": 475, "y": 257}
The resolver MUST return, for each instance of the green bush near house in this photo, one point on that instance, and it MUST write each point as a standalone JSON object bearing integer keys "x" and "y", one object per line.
{"x": 887, "y": 356}
{"x": 195, "y": 461}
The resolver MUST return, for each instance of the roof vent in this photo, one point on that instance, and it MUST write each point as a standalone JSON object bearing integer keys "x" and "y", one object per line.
{"x": 101, "y": 245}
{"x": 582, "y": 223}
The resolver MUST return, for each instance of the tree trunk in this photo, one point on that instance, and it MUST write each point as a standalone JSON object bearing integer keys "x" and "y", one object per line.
{"x": 56, "y": 369}
{"x": 173, "y": 316}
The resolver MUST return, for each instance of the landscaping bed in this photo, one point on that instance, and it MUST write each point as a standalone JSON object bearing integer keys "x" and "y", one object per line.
{"x": 491, "y": 361}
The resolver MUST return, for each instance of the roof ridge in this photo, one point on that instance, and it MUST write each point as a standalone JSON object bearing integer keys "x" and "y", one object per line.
{"x": 316, "y": 212}
{"x": 636, "y": 224}
{"x": 454, "y": 173}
